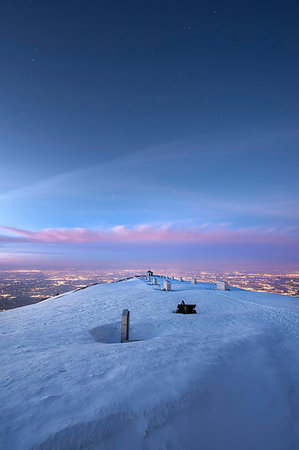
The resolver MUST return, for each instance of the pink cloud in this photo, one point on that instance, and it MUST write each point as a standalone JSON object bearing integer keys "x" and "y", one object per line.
{"x": 218, "y": 234}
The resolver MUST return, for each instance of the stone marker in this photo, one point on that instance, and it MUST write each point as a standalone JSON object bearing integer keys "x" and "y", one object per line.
{"x": 194, "y": 281}
{"x": 125, "y": 324}
{"x": 166, "y": 286}
{"x": 155, "y": 281}
{"x": 180, "y": 279}
{"x": 222, "y": 286}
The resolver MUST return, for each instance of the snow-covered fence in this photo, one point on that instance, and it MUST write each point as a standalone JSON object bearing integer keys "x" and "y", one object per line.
{"x": 222, "y": 286}
{"x": 167, "y": 285}
{"x": 125, "y": 325}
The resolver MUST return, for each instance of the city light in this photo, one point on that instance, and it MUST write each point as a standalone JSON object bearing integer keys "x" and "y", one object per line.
{"x": 24, "y": 287}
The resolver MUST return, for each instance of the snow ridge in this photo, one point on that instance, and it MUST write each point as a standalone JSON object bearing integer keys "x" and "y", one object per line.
{"x": 227, "y": 377}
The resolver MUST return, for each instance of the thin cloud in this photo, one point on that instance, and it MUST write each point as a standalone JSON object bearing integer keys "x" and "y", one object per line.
{"x": 218, "y": 235}
{"x": 170, "y": 151}
{"x": 47, "y": 185}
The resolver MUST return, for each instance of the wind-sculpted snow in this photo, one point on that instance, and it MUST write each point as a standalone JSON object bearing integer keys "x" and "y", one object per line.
{"x": 225, "y": 378}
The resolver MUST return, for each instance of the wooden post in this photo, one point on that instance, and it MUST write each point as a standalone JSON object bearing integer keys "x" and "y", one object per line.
{"x": 194, "y": 281}
{"x": 154, "y": 281}
{"x": 125, "y": 324}
{"x": 180, "y": 279}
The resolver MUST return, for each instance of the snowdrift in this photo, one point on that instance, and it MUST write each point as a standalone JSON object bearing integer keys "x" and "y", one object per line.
{"x": 225, "y": 378}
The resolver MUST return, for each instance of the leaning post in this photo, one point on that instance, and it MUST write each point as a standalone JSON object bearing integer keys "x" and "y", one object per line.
{"x": 125, "y": 325}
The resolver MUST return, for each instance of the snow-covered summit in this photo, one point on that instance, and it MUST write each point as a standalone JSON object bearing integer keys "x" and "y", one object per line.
{"x": 225, "y": 378}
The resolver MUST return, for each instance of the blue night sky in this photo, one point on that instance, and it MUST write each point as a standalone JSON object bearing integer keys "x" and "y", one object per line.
{"x": 161, "y": 132}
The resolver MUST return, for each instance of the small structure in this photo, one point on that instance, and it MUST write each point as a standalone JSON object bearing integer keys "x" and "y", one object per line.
{"x": 154, "y": 281}
{"x": 182, "y": 308}
{"x": 222, "y": 286}
{"x": 149, "y": 273}
{"x": 125, "y": 325}
{"x": 194, "y": 281}
{"x": 181, "y": 279}
{"x": 166, "y": 286}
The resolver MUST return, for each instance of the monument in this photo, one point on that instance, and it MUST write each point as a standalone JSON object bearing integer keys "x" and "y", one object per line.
{"x": 222, "y": 286}
{"x": 166, "y": 286}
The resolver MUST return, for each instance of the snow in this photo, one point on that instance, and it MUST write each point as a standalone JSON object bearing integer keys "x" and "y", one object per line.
{"x": 225, "y": 378}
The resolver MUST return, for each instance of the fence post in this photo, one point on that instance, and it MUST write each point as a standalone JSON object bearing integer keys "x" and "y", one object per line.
{"x": 125, "y": 325}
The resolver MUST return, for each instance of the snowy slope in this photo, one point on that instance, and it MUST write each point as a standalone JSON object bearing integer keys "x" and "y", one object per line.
{"x": 226, "y": 378}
